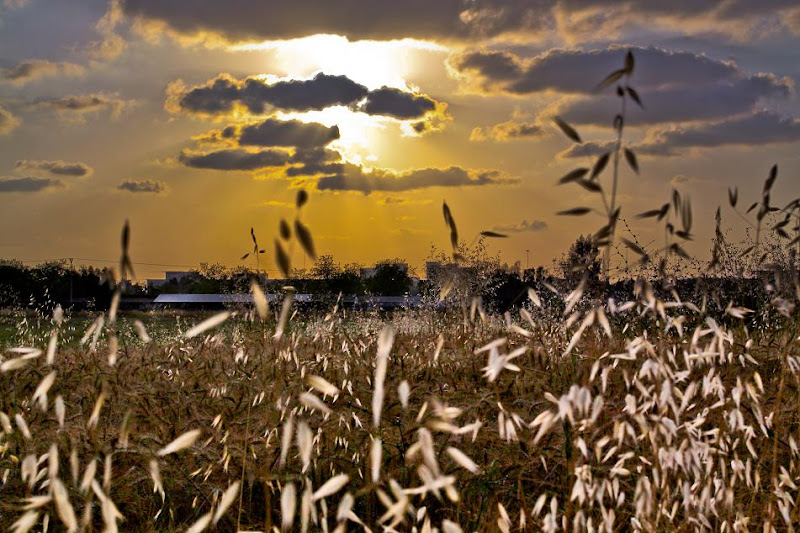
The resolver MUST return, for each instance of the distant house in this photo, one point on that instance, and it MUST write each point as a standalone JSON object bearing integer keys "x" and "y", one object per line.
{"x": 171, "y": 276}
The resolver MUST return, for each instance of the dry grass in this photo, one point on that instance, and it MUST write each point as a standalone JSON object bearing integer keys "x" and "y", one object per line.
{"x": 421, "y": 420}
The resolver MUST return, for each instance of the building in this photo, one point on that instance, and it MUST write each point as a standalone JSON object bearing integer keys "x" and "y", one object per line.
{"x": 170, "y": 276}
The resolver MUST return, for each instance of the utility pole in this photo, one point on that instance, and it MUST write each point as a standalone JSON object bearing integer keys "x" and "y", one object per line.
{"x": 70, "y": 282}
{"x": 527, "y": 261}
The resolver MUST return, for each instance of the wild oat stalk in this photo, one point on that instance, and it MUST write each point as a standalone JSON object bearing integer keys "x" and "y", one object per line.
{"x": 605, "y": 236}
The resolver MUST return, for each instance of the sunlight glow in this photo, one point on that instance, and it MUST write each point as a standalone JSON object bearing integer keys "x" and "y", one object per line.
{"x": 372, "y": 63}
{"x": 358, "y": 131}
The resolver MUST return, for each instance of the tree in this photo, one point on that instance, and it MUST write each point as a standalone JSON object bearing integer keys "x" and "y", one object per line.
{"x": 582, "y": 260}
{"x": 390, "y": 279}
{"x": 325, "y": 268}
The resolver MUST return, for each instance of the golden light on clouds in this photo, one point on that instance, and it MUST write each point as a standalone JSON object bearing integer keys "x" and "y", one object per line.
{"x": 358, "y": 132}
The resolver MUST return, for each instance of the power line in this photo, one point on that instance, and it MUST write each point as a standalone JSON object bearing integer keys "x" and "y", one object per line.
{"x": 113, "y": 261}
{"x": 109, "y": 261}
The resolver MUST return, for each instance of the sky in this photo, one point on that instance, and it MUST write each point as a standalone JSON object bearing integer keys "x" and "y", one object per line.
{"x": 198, "y": 119}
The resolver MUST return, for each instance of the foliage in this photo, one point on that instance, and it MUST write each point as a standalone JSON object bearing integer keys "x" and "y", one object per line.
{"x": 390, "y": 279}
{"x": 582, "y": 261}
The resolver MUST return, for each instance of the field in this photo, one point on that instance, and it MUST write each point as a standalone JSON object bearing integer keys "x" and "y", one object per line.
{"x": 644, "y": 415}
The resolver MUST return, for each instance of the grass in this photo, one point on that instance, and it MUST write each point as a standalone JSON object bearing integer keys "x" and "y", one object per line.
{"x": 655, "y": 431}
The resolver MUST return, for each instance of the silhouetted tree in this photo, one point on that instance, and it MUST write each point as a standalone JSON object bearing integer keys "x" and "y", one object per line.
{"x": 390, "y": 279}
{"x": 582, "y": 260}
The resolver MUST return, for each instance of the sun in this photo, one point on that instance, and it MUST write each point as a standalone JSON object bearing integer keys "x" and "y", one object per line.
{"x": 374, "y": 64}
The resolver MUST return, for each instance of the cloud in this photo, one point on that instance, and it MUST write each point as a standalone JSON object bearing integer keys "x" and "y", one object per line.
{"x": 355, "y": 178}
{"x": 597, "y": 148}
{"x": 236, "y": 159}
{"x": 224, "y": 94}
{"x": 11, "y": 4}
{"x": 272, "y": 132}
{"x": 239, "y": 20}
{"x": 111, "y": 44}
{"x": 257, "y": 95}
{"x": 508, "y": 131}
{"x": 395, "y": 200}
{"x": 308, "y": 139}
{"x": 674, "y": 85}
{"x": 578, "y": 71}
{"x": 737, "y": 20}
{"x": 522, "y": 227}
{"x": 34, "y": 69}
{"x": 587, "y": 149}
{"x": 759, "y": 129}
{"x": 28, "y": 184}
{"x": 315, "y": 161}
{"x": 143, "y": 186}
{"x": 396, "y": 103}
{"x": 77, "y": 107}
{"x": 8, "y": 121}
{"x": 684, "y": 103}
{"x": 460, "y": 20}
{"x": 681, "y": 180}
{"x": 52, "y": 168}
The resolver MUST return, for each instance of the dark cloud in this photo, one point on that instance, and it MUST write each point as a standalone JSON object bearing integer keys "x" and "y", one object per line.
{"x": 52, "y": 168}
{"x": 223, "y": 93}
{"x": 755, "y": 130}
{"x": 220, "y": 94}
{"x": 359, "y": 19}
{"x": 355, "y": 178}
{"x": 8, "y": 121}
{"x": 396, "y": 103}
{"x": 684, "y": 103}
{"x": 143, "y": 186}
{"x": 522, "y": 227}
{"x": 309, "y": 140}
{"x": 319, "y": 92}
{"x": 674, "y": 85}
{"x": 461, "y": 20}
{"x": 34, "y": 69}
{"x": 27, "y": 184}
{"x": 579, "y": 71}
{"x": 236, "y": 159}
{"x": 508, "y": 131}
{"x": 272, "y": 132}
{"x": 315, "y": 161}
{"x": 597, "y": 148}
{"x": 491, "y": 66}
{"x": 83, "y": 104}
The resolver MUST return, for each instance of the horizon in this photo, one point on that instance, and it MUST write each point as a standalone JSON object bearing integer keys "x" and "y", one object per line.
{"x": 199, "y": 122}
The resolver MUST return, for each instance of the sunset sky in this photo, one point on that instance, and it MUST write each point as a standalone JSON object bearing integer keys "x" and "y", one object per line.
{"x": 198, "y": 119}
